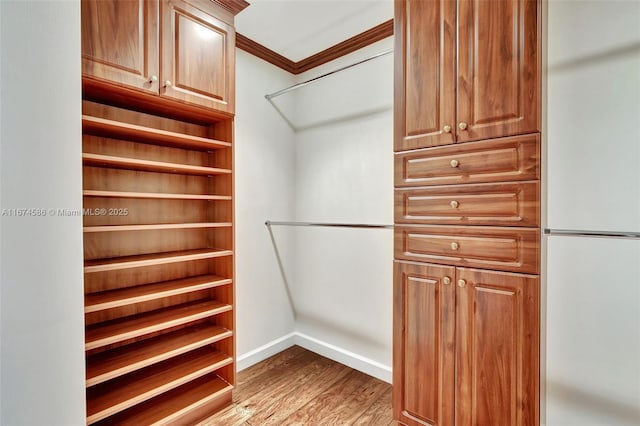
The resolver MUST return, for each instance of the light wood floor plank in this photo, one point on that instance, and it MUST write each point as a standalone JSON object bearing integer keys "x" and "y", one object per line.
{"x": 300, "y": 388}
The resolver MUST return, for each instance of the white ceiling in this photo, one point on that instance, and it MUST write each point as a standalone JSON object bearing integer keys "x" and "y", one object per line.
{"x": 297, "y": 29}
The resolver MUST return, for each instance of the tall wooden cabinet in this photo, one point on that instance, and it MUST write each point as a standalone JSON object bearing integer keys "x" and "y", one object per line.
{"x": 467, "y": 212}
{"x": 157, "y": 156}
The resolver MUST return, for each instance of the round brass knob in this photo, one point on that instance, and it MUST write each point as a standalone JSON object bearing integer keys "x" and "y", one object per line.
{"x": 153, "y": 79}
{"x": 446, "y": 129}
{"x": 462, "y": 283}
{"x": 446, "y": 281}
{"x": 462, "y": 125}
{"x": 167, "y": 83}
{"x": 454, "y": 246}
{"x": 454, "y": 204}
{"x": 454, "y": 163}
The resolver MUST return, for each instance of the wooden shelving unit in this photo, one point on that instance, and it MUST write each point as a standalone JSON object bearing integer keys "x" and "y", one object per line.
{"x": 159, "y": 265}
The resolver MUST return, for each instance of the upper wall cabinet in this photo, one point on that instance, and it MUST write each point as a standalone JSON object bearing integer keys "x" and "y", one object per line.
{"x": 120, "y": 42}
{"x": 488, "y": 89}
{"x": 173, "y": 48}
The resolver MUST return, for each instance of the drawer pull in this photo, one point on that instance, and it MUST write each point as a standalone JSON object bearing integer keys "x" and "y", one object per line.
{"x": 454, "y": 163}
{"x": 446, "y": 128}
{"x": 153, "y": 79}
{"x": 446, "y": 281}
{"x": 462, "y": 283}
{"x": 454, "y": 246}
{"x": 454, "y": 204}
{"x": 462, "y": 125}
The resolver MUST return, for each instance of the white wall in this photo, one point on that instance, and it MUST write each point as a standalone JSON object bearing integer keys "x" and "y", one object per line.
{"x": 593, "y": 183}
{"x": 344, "y": 173}
{"x": 264, "y": 189}
{"x": 42, "y": 332}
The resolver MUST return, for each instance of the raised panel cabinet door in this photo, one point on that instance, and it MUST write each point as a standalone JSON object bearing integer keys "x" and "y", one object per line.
{"x": 120, "y": 42}
{"x": 198, "y": 56}
{"x": 498, "y": 90}
{"x": 425, "y": 73}
{"x": 424, "y": 328}
{"x": 497, "y": 348}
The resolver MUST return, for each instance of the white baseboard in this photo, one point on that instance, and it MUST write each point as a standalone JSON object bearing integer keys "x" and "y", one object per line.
{"x": 343, "y": 356}
{"x": 265, "y": 351}
{"x": 335, "y": 353}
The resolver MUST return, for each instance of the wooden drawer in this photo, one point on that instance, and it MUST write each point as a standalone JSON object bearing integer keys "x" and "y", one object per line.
{"x": 506, "y": 249}
{"x": 501, "y": 204}
{"x": 504, "y": 159}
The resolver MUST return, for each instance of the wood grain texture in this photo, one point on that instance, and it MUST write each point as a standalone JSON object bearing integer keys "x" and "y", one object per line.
{"x": 345, "y": 397}
{"x": 106, "y": 399}
{"x": 120, "y": 42}
{"x": 151, "y": 259}
{"x": 125, "y": 359}
{"x": 425, "y": 73}
{"x": 506, "y": 159}
{"x": 507, "y": 249}
{"x": 274, "y": 58}
{"x": 365, "y": 38}
{"x": 497, "y": 349}
{"x": 198, "y": 57}
{"x": 139, "y": 325}
{"x": 499, "y": 204}
{"x": 423, "y": 359}
{"x": 129, "y": 295}
{"x": 119, "y": 130}
{"x": 182, "y": 406}
{"x": 498, "y": 86}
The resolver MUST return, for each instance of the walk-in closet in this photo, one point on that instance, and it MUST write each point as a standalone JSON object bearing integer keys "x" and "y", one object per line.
{"x": 319, "y": 212}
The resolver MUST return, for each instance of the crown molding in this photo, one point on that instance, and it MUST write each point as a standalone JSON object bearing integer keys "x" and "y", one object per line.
{"x": 264, "y": 53}
{"x": 233, "y": 6}
{"x": 372, "y": 35}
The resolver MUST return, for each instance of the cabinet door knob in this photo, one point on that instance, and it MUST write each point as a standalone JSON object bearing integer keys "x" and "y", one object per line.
{"x": 454, "y": 163}
{"x": 153, "y": 79}
{"x": 446, "y": 128}
{"x": 462, "y": 283}
{"x": 167, "y": 83}
{"x": 454, "y": 204}
{"x": 446, "y": 281}
{"x": 454, "y": 246}
{"x": 462, "y": 125}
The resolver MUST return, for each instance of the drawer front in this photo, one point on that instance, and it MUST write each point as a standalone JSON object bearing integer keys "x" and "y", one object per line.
{"x": 506, "y": 249}
{"x": 503, "y": 204}
{"x": 504, "y": 159}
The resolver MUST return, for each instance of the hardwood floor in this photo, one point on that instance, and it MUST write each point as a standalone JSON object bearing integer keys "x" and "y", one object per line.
{"x": 299, "y": 387}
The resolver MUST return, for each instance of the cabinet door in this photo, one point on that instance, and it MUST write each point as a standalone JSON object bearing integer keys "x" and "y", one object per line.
{"x": 425, "y": 73}
{"x": 198, "y": 53}
{"x": 120, "y": 42}
{"x": 498, "y": 68}
{"x": 497, "y": 348}
{"x": 424, "y": 327}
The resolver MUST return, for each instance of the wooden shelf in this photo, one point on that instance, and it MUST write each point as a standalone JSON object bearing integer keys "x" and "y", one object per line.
{"x": 125, "y": 262}
{"x": 154, "y": 195}
{"x": 115, "y": 331}
{"x": 126, "y": 296}
{"x": 126, "y": 359}
{"x": 98, "y": 160}
{"x": 119, "y": 130}
{"x": 171, "y": 407}
{"x": 112, "y": 397}
{"x": 155, "y": 227}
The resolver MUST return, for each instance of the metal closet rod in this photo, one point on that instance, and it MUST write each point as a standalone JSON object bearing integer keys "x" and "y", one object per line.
{"x": 331, "y": 225}
{"x": 304, "y": 83}
{"x": 602, "y": 234}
